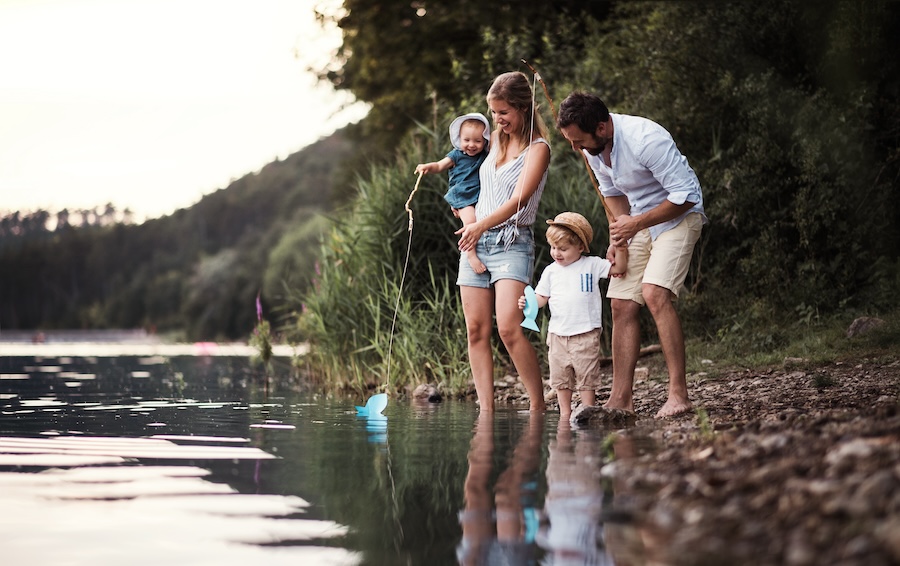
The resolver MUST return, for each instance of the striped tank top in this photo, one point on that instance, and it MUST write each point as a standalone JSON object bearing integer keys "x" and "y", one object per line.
{"x": 497, "y": 187}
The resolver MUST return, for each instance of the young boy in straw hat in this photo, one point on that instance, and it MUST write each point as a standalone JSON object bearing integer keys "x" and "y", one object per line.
{"x": 570, "y": 286}
{"x": 470, "y": 135}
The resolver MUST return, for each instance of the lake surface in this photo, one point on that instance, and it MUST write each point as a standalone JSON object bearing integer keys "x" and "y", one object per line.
{"x": 190, "y": 460}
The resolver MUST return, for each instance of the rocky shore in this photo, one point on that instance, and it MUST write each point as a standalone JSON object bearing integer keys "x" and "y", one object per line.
{"x": 798, "y": 465}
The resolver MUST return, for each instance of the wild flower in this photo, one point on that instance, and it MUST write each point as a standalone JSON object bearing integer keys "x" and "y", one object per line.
{"x": 261, "y": 339}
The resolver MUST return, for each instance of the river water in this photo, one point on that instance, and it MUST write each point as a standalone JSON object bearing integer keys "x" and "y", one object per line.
{"x": 190, "y": 460}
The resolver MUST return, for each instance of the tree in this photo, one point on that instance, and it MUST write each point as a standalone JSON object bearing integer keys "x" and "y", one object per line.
{"x": 407, "y": 57}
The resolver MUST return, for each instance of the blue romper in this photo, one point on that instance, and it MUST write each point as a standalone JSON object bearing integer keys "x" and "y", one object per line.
{"x": 464, "y": 183}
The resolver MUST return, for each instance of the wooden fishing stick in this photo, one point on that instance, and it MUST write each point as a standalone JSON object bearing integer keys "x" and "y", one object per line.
{"x": 609, "y": 215}
{"x": 409, "y": 200}
{"x": 409, "y": 212}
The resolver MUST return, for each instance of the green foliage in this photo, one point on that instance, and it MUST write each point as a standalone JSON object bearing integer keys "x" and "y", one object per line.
{"x": 824, "y": 341}
{"x": 373, "y": 269}
{"x": 787, "y": 111}
{"x": 192, "y": 272}
{"x": 794, "y": 146}
{"x": 405, "y": 58}
{"x": 261, "y": 341}
{"x": 706, "y": 430}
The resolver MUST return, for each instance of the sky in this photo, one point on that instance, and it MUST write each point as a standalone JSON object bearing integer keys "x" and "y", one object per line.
{"x": 150, "y": 104}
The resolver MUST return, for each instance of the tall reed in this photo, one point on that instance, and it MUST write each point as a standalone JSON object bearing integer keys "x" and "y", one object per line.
{"x": 348, "y": 314}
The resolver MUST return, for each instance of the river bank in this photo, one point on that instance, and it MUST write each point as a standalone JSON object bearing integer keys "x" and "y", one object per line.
{"x": 795, "y": 465}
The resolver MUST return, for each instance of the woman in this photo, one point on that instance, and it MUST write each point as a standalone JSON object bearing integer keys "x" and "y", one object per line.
{"x": 512, "y": 180}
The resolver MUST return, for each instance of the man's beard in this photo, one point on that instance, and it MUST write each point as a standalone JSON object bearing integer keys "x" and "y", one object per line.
{"x": 600, "y": 143}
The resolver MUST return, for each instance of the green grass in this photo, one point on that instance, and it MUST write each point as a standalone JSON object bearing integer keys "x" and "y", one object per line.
{"x": 806, "y": 346}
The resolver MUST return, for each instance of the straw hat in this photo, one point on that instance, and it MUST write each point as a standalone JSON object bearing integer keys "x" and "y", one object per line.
{"x": 577, "y": 224}
{"x": 456, "y": 125}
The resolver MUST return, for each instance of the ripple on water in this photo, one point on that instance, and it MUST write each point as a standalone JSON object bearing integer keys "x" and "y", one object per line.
{"x": 98, "y": 500}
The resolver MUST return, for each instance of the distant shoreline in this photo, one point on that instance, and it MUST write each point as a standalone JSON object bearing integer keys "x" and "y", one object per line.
{"x": 111, "y": 343}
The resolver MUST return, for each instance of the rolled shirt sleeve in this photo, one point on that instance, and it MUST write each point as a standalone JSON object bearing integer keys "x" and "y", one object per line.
{"x": 647, "y": 168}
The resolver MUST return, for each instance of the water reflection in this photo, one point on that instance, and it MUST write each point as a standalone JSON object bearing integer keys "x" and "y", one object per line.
{"x": 575, "y": 499}
{"x": 376, "y": 427}
{"x": 499, "y": 527}
{"x": 198, "y": 454}
{"x": 110, "y": 462}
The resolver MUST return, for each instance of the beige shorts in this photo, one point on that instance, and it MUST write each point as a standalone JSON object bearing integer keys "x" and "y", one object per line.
{"x": 663, "y": 262}
{"x": 574, "y": 360}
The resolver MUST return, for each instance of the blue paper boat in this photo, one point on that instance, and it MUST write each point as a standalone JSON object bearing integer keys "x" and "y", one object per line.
{"x": 530, "y": 310}
{"x": 374, "y": 406}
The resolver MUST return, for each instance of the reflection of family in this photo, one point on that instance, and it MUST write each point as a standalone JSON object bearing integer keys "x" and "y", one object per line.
{"x": 499, "y": 526}
{"x": 502, "y": 521}
{"x": 657, "y": 208}
{"x": 574, "y": 532}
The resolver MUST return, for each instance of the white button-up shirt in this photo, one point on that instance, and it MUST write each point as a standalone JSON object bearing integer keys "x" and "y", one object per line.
{"x": 647, "y": 168}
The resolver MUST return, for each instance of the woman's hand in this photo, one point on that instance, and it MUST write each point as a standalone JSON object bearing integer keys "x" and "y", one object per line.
{"x": 469, "y": 235}
{"x": 522, "y": 302}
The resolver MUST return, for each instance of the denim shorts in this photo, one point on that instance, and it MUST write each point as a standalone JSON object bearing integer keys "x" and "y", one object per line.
{"x": 516, "y": 263}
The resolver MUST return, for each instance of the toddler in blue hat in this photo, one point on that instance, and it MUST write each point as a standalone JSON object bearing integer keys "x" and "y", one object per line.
{"x": 470, "y": 135}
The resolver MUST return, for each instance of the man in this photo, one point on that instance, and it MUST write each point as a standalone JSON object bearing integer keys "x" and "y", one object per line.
{"x": 657, "y": 206}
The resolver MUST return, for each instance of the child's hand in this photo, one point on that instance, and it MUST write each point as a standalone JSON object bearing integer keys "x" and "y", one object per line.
{"x": 425, "y": 167}
{"x": 618, "y": 256}
{"x": 522, "y": 302}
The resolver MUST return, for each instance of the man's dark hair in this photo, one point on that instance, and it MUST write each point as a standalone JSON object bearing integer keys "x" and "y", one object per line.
{"x": 583, "y": 109}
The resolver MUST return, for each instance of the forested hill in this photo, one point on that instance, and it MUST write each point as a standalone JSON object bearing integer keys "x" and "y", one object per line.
{"x": 197, "y": 270}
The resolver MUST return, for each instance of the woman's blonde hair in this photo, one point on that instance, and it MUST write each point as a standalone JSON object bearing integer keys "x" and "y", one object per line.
{"x": 514, "y": 89}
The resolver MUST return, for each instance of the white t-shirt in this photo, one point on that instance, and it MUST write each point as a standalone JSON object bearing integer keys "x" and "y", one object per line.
{"x": 574, "y": 295}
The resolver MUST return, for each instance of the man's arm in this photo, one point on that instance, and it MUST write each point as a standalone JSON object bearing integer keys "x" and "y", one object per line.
{"x": 625, "y": 227}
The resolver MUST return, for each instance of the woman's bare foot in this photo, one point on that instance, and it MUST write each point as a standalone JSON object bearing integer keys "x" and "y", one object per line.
{"x": 476, "y": 264}
{"x": 673, "y": 408}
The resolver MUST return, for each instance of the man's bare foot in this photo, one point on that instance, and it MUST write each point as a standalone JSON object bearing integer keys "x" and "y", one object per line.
{"x": 673, "y": 408}
{"x": 476, "y": 264}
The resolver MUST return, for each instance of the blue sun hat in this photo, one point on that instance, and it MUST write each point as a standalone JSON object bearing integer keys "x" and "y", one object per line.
{"x": 456, "y": 124}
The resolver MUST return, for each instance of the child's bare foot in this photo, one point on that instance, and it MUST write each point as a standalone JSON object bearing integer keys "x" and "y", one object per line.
{"x": 621, "y": 406}
{"x": 673, "y": 408}
{"x": 476, "y": 264}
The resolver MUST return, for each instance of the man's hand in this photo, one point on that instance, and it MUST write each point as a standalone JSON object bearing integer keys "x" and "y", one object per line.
{"x": 622, "y": 229}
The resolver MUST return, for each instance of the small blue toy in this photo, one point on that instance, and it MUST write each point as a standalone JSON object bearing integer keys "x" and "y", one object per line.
{"x": 530, "y": 310}
{"x": 374, "y": 406}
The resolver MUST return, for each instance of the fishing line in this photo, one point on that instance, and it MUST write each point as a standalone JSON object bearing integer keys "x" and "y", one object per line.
{"x": 409, "y": 212}
{"x": 609, "y": 215}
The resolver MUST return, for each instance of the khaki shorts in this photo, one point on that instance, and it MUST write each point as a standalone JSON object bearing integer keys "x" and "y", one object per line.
{"x": 663, "y": 262}
{"x": 574, "y": 360}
